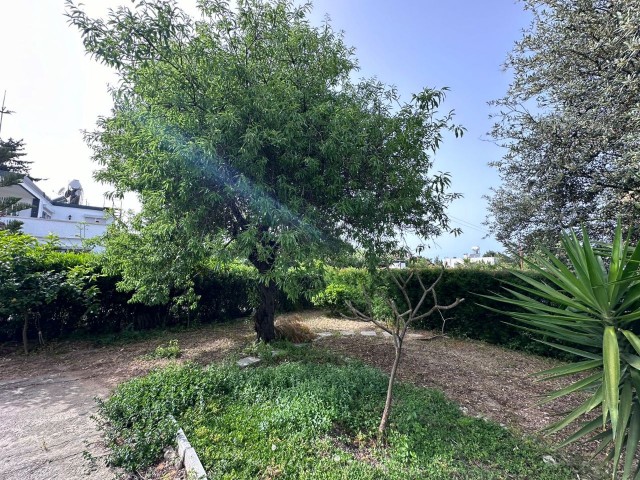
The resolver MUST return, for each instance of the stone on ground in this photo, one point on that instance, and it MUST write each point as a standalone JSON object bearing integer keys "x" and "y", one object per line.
{"x": 246, "y": 361}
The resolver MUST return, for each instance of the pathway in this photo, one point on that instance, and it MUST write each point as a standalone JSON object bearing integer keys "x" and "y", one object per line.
{"x": 47, "y": 428}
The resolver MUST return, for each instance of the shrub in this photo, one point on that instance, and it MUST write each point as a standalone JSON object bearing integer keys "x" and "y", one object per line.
{"x": 97, "y": 305}
{"x": 28, "y": 282}
{"x": 342, "y": 285}
{"x": 590, "y": 303}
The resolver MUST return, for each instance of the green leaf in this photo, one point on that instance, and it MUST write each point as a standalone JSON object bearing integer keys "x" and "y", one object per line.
{"x": 611, "y": 380}
{"x": 634, "y": 340}
{"x": 633, "y": 438}
{"x": 585, "y": 407}
{"x": 574, "y": 387}
{"x": 626, "y": 402}
{"x": 586, "y": 429}
{"x": 570, "y": 369}
{"x": 575, "y": 351}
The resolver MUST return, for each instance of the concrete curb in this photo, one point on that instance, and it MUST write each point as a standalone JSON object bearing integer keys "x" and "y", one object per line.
{"x": 188, "y": 456}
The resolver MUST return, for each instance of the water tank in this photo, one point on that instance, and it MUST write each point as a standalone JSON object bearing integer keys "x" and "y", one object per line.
{"x": 73, "y": 194}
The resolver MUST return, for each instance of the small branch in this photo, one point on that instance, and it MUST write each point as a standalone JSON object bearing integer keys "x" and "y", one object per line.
{"x": 440, "y": 307}
{"x": 361, "y": 316}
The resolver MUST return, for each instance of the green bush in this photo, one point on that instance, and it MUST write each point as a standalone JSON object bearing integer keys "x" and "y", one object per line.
{"x": 346, "y": 284}
{"x": 29, "y": 283}
{"x": 223, "y": 293}
{"x": 170, "y": 351}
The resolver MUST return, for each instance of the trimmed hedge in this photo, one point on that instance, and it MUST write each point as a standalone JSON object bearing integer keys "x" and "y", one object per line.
{"x": 468, "y": 319}
{"x": 223, "y": 294}
{"x": 230, "y": 293}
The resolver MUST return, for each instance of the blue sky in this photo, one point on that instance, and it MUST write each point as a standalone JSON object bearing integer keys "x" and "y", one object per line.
{"x": 57, "y": 91}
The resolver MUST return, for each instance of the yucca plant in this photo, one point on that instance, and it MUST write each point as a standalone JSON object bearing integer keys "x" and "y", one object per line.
{"x": 591, "y": 305}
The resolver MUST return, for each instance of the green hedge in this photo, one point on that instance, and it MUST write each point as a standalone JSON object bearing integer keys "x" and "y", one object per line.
{"x": 230, "y": 293}
{"x": 468, "y": 319}
{"x": 224, "y": 294}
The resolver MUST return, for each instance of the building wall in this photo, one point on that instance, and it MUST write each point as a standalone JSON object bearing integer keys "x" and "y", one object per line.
{"x": 70, "y": 233}
{"x": 70, "y": 223}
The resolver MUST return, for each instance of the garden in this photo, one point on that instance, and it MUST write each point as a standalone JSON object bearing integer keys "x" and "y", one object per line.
{"x": 252, "y": 301}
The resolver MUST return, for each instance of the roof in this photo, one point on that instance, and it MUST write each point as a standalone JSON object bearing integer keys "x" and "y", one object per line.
{"x": 72, "y": 205}
{"x": 38, "y": 192}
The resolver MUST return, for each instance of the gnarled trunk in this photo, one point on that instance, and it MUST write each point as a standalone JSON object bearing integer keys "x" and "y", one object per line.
{"x": 264, "y": 316}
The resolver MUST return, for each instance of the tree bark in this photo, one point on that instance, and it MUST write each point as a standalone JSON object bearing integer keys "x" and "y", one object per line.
{"x": 25, "y": 340}
{"x": 384, "y": 421}
{"x": 264, "y": 317}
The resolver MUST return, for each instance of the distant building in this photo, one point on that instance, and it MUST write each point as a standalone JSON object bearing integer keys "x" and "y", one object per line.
{"x": 64, "y": 216}
{"x": 475, "y": 257}
{"x": 398, "y": 264}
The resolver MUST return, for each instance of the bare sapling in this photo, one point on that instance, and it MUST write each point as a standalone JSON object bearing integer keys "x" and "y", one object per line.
{"x": 398, "y": 324}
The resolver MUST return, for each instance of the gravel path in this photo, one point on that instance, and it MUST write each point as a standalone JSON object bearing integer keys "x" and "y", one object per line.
{"x": 47, "y": 399}
{"x": 47, "y": 427}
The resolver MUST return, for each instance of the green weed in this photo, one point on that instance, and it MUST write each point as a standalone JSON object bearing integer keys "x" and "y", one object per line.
{"x": 169, "y": 351}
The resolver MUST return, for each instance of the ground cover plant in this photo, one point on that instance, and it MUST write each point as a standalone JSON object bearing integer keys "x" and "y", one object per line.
{"x": 307, "y": 413}
{"x": 170, "y": 350}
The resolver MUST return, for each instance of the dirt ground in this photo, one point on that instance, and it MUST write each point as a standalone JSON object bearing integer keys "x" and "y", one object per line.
{"x": 46, "y": 398}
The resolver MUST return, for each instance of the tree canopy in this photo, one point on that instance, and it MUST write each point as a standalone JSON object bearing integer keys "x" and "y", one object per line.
{"x": 245, "y": 135}
{"x": 13, "y": 169}
{"x": 570, "y": 122}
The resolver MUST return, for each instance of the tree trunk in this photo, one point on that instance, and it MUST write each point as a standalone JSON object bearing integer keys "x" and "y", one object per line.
{"x": 25, "y": 340}
{"x": 264, "y": 316}
{"x": 384, "y": 422}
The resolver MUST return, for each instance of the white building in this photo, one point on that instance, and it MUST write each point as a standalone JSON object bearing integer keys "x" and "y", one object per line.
{"x": 64, "y": 217}
{"x": 474, "y": 257}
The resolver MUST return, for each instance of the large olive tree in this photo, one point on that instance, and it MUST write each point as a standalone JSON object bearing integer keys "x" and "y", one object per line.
{"x": 570, "y": 123}
{"x": 245, "y": 134}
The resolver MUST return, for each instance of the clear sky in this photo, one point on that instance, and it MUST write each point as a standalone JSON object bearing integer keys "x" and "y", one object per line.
{"x": 57, "y": 91}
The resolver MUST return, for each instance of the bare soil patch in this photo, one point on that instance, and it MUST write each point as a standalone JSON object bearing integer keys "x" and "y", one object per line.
{"x": 112, "y": 364}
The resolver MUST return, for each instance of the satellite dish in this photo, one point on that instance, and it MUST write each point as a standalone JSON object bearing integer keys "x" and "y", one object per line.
{"x": 475, "y": 249}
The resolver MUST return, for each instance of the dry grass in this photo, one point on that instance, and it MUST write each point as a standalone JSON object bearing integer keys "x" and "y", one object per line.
{"x": 292, "y": 329}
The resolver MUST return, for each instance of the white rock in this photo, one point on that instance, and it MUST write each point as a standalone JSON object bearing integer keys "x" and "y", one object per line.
{"x": 246, "y": 361}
